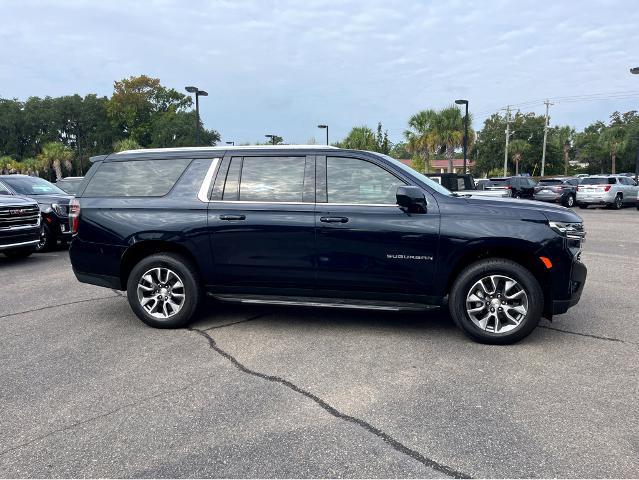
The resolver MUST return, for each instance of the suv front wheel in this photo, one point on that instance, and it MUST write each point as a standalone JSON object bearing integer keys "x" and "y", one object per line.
{"x": 496, "y": 301}
{"x": 163, "y": 290}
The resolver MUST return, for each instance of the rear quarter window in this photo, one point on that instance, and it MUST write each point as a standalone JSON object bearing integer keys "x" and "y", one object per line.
{"x": 136, "y": 178}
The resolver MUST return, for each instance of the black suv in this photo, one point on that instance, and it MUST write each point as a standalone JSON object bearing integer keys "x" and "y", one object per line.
{"x": 54, "y": 204}
{"x": 19, "y": 225}
{"x": 520, "y": 187}
{"x": 318, "y": 226}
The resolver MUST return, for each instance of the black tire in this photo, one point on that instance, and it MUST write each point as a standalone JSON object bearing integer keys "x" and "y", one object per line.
{"x": 618, "y": 203}
{"x": 516, "y": 195}
{"x": 47, "y": 240}
{"x": 187, "y": 274}
{"x": 19, "y": 253}
{"x": 569, "y": 201}
{"x": 495, "y": 266}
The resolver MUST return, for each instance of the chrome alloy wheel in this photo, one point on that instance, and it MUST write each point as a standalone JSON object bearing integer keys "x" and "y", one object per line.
{"x": 161, "y": 292}
{"x": 497, "y": 304}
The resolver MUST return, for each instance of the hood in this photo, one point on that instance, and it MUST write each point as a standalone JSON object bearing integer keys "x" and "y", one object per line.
{"x": 14, "y": 200}
{"x": 526, "y": 208}
{"x": 49, "y": 199}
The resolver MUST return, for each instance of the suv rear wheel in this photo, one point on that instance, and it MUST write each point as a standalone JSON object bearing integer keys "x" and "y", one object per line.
{"x": 496, "y": 301}
{"x": 163, "y": 290}
{"x": 618, "y": 203}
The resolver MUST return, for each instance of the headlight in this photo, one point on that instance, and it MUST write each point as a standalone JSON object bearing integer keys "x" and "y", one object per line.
{"x": 46, "y": 208}
{"x": 56, "y": 208}
{"x": 569, "y": 230}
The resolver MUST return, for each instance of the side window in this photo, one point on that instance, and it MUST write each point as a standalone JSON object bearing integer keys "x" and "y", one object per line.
{"x": 350, "y": 180}
{"x": 136, "y": 178}
{"x": 220, "y": 179}
{"x": 4, "y": 190}
{"x": 272, "y": 179}
{"x": 612, "y": 180}
{"x": 231, "y": 189}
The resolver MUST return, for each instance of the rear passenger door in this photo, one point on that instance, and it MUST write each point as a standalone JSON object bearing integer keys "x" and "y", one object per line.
{"x": 261, "y": 223}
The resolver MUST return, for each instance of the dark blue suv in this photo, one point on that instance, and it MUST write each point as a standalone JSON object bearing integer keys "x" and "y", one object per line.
{"x": 318, "y": 226}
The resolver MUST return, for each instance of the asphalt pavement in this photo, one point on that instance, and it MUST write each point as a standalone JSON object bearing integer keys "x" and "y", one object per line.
{"x": 87, "y": 390}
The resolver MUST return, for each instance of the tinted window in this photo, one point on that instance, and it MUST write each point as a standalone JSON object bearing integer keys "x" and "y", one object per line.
{"x": 499, "y": 182}
{"x": 272, "y": 179}
{"x": 349, "y": 180}
{"x": 598, "y": 180}
{"x": 232, "y": 180}
{"x": 550, "y": 182}
{"x": 32, "y": 186}
{"x": 218, "y": 185}
{"x": 141, "y": 178}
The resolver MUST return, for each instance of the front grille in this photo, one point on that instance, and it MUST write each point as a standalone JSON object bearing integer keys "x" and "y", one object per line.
{"x": 19, "y": 216}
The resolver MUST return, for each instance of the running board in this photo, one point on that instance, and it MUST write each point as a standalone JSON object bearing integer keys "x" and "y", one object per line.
{"x": 324, "y": 302}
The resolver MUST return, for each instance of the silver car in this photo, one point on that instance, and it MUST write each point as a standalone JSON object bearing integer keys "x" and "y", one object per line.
{"x": 610, "y": 190}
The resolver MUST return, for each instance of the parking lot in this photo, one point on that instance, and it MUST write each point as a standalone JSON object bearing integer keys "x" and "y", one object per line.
{"x": 87, "y": 390}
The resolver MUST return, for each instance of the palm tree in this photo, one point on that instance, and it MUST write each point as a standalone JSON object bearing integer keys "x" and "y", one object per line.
{"x": 449, "y": 132}
{"x": 128, "y": 143}
{"x": 421, "y": 136}
{"x": 360, "y": 138}
{"x": 565, "y": 137}
{"x": 613, "y": 140}
{"x": 517, "y": 148}
{"x": 54, "y": 156}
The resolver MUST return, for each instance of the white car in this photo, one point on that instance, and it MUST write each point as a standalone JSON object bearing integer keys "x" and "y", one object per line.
{"x": 610, "y": 190}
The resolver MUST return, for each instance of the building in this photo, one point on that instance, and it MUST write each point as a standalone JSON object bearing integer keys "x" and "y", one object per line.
{"x": 441, "y": 165}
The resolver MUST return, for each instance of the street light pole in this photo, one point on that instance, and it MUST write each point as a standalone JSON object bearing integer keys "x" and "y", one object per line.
{"x": 198, "y": 93}
{"x": 635, "y": 71}
{"x": 465, "y": 102}
{"x": 326, "y": 127}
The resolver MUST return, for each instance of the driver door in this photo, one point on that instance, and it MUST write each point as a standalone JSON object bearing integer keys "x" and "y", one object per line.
{"x": 366, "y": 245}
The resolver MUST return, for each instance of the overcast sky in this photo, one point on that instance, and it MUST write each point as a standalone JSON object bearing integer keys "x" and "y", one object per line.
{"x": 284, "y": 66}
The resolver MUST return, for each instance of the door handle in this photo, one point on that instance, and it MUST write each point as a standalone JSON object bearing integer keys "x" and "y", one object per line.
{"x": 334, "y": 219}
{"x": 232, "y": 217}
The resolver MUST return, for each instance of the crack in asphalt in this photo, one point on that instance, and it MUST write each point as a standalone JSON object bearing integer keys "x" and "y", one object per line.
{"x": 597, "y": 337}
{"x": 102, "y": 415}
{"x": 250, "y": 319}
{"x": 58, "y": 305}
{"x": 394, "y": 443}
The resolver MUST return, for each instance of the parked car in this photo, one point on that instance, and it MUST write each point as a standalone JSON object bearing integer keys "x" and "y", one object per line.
{"x": 464, "y": 184}
{"x": 53, "y": 202}
{"x": 69, "y": 184}
{"x": 520, "y": 187}
{"x": 558, "y": 190}
{"x": 19, "y": 225}
{"x": 610, "y": 190}
{"x": 318, "y": 226}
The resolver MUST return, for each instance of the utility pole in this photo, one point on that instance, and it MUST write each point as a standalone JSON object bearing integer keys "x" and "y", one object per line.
{"x": 507, "y": 139}
{"x": 543, "y": 150}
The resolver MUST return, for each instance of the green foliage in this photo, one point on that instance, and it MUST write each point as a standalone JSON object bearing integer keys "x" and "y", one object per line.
{"x": 399, "y": 150}
{"x": 125, "y": 144}
{"x": 54, "y": 157}
{"x": 363, "y": 138}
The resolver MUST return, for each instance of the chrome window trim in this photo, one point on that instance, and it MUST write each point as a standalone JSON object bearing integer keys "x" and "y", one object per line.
{"x": 309, "y": 203}
{"x": 203, "y": 194}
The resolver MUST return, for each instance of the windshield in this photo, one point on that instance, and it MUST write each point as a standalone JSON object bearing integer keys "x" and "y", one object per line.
{"x": 32, "y": 186}
{"x": 498, "y": 182}
{"x": 70, "y": 186}
{"x": 550, "y": 182}
{"x": 598, "y": 180}
{"x": 422, "y": 178}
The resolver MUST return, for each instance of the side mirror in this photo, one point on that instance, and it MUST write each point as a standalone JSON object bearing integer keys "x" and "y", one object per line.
{"x": 411, "y": 199}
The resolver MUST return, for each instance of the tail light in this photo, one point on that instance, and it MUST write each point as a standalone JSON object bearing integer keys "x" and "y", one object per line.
{"x": 607, "y": 187}
{"x": 74, "y": 215}
{"x": 578, "y": 189}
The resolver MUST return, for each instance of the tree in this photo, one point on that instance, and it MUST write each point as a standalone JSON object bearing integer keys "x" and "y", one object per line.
{"x": 421, "y": 138}
{"x": 137, "y": 101}
{"x": 55, "y": 156}
{"x": 383, "y": 145}
{"x": 563, "y": 137}
{"x": 360, "y": 138}
{"x": 125, "y": 144}
{"x": 449, "y": 132}
{"x": 400, "y": 150}
{"x": 518, "y": 148}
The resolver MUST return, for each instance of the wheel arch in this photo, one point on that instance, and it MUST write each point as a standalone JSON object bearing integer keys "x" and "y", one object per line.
{"x": 522, "y": 255}
{"x": 139, "y": 250}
